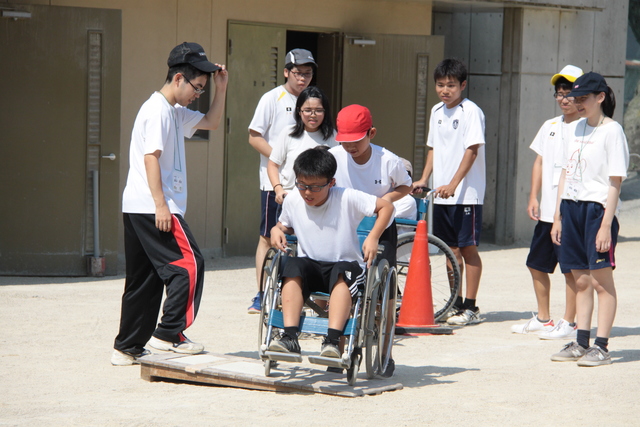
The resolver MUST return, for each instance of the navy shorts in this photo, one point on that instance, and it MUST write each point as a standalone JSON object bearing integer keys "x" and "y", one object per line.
{"x": 580, "y": 224}
{"x": 544, "y": 254}
{"x": 269, "y": 209}
{"x": 458, "y": 225}
{"x": 321, "y": 276}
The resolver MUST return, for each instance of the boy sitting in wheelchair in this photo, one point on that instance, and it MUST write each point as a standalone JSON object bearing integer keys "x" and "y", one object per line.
{"x": 329, "y": 259}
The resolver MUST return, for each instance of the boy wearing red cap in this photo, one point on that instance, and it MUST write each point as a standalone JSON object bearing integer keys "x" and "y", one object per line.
{"x": 372, "y": 169}
{"x": 159, "y": 247}
{"x": 456, "y": 159}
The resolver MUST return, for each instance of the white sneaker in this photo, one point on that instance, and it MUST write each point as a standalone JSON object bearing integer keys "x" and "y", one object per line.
{"x": 465, "y": 317}
{"x": 120, "y": 358}
{"x": 185, "y": 347}
{"x": 562, "y": 330}
{"x": 532, "y": 326}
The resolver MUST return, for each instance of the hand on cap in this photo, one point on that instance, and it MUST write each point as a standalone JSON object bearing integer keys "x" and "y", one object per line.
{"x": 221, "y": 77}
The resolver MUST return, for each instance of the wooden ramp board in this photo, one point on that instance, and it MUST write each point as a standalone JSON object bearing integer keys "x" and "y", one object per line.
{"x": 234, "y": 371}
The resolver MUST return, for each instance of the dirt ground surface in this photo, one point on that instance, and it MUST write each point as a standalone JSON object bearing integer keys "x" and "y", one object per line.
{"x": 55, "y": 370}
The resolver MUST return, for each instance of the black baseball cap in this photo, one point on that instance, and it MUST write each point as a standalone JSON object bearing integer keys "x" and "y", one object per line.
{"x": 193, "y": 54}
{"x": 589, "y": 83}
{"x": 299, "y": 57}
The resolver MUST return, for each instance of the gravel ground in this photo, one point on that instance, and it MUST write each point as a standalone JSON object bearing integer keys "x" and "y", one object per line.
{"x": 59, "y": 336}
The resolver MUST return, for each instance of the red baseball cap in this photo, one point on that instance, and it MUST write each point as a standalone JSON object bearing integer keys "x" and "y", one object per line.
{"x": 353, "y": 123}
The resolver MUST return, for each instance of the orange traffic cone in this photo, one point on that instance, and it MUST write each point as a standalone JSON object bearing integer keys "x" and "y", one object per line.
{"x": 416, "y": 312}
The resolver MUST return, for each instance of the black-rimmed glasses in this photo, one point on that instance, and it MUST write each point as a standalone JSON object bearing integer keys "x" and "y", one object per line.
{"x": 312, "y": 188}
{"x": 198, "y": 91}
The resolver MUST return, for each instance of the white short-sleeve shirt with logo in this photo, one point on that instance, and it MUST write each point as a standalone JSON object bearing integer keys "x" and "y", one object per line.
{"x": 159, "y": 126}
{"x": 274, "y": 112}
{"x": 451, "y": 132}
{"x": 381, "y": 174}
{"x": 548, "y": 144}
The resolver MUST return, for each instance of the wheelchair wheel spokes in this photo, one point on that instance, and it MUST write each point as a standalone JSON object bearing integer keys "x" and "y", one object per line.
{"x": 371, "y": 331}
{"x": 387, "y": 317}
{"x": 445, "y": 272}
{"x": 269, "y": 286}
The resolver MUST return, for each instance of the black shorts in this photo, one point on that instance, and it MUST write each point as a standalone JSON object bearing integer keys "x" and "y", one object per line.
{"x": 321, "y": 276}
{"x": 458, "y": 225}
{"x": 544, "y": 254}
{"x": 580, "y": 224}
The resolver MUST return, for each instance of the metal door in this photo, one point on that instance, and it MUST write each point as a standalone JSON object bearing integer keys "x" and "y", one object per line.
{"x": 392, "y": 75}
{"x": 256, "y": 56}
{"x": 60, "y": 103}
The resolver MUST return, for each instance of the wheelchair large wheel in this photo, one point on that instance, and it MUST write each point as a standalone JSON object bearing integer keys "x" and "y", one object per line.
{"x": 371, "y": 331}
{"x": 445, "y": 272}
{"x": 269, "y": 286}
{"x": 387, "y": 323}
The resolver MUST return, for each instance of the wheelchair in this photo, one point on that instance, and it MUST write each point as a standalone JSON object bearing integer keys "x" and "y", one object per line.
{"x": 445, "y": 271}
{"x": 369, "y": 331}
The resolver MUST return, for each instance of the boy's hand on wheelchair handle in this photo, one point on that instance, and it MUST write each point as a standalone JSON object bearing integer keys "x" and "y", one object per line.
{"x": 280, "y": 195}
{"x": 369, "y": 250}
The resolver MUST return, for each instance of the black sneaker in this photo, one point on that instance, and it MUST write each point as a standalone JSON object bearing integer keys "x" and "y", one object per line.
{"x": 329, "y": 349}
{"x": 335, "y": 370}
{"x": 391, "y": 367}
{"x": 285, "y": 344}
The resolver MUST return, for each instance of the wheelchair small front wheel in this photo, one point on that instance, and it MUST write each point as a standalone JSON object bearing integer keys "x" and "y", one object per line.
{"x": 352, "y": 371}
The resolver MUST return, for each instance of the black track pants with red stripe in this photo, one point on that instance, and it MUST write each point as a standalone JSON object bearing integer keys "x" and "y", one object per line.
{"x": 155, "y": 259}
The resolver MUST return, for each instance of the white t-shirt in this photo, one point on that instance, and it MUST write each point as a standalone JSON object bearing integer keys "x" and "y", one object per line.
{"x": 286, "y": 149}
{"x": 328, "y": 232}
{"x": 381, "y": 174}
{"x": 273, "y": 113}
{"x": 548, "y": 143}
{"x": 159, "y": 126}
{"x": 592, "y": 155}
{"x": 451, "y": 132}
{"x": 406, "y": 208}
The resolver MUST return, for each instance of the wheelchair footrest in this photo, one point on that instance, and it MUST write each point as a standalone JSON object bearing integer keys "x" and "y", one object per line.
{"x": 283, "y": 357}
{"x": 330, "y": 361}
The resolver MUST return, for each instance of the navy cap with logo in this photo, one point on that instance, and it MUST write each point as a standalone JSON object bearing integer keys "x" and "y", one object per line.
{"x": 193, "y": 54}
{"x": 299, "y": 57}
{"x": 589, "y": 83}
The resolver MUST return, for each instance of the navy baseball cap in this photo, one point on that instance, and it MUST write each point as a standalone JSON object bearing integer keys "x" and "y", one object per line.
{"x": 193, "y": 54}
{"x": 589, "y": 83}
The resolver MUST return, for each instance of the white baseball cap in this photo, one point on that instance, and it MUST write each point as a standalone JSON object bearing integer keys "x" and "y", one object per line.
{"x": 570, "y": 72}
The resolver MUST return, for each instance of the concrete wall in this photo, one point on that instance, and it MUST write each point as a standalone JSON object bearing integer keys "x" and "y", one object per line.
{"x": 551, "y": 39}
{"x": 511, "y": 54}
{"x": 476, "y": 39}
{"x": 150, "y": 28}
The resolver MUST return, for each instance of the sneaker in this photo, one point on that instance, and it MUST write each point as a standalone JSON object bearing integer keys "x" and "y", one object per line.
{"x": 449, "y": 314}
{"x": 335, "y": 370}
{"x": 120, "y": 358}
{"x": 569, "y": 353}
{"x": 329, "y": 349}
{"x": 532, "y": 326}
{"x": 256, "y": 304}
{"x": 285, "y": 344}
{"x": 185, "y": 347}
{"x": 595, "y": 356}
{"x": 467, "y": 316}
{"x": 563, "y": 330}
{"x": 391, "y": 367}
